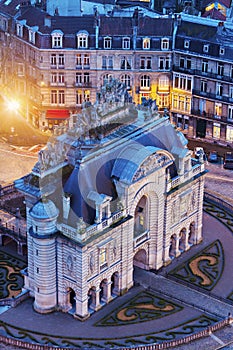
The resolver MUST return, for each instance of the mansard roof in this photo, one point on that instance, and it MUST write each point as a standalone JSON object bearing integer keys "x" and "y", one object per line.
{"x": 200, "y": 34}
{"x": 119, "y": 158}
{"x": 146, "y": 26}
{"x": 196, "y": 31}
{"x": 68, "y": 25}
{"x": 9, "y": 7}
{"x": 108, "y": 25}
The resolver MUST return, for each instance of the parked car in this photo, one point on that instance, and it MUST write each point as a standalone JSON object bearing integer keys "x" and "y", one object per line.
{"x": 213, "y": 157}
{"x": 228, "y": 161}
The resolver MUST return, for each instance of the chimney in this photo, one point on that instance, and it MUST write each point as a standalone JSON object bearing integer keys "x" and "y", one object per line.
{"x": 66, "y": 205}
{"x": 97, "y": 25}
{"x": 135, "y": 28}
{"x": 47, "y": 21}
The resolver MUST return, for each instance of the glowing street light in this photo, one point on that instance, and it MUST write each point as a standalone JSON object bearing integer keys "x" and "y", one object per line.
{"x": 13, "y": 105}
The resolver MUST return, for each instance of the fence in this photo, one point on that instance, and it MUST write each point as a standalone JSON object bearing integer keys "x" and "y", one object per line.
{"x": 158, "y": 346}
{"x": 13, "y": 302}
{"x": 7, "y": 189}
{"x": 220, "y": 201}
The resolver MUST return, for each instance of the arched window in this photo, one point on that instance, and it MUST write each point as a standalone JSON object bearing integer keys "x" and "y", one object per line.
{"x": 82, "y": 40}
{"x": 31, "y": 36}
{"x": 107, "y": 43}
{"x": 146, "y": 44}
{"x": 165, "y": 44}
{"x": 126, "y": 43}
{"x": 163, "y": 82}
{"x": 57, "y": 39}
{"x": 19, "y": 29}
{"x": 125, "y": 78}
{"x": 145, "y": 81}
{"x": 107, "y": 78}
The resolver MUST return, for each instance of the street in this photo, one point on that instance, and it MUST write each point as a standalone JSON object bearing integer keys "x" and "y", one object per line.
{"x": 15, "y": 130}
{"x": 14, "y": 163}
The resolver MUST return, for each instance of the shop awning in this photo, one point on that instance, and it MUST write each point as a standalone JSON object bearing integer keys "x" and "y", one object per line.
{"x": 57, "y": 114}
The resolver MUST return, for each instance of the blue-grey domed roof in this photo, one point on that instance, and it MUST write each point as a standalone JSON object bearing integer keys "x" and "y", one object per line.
{"x": 130, "y": 160}
{"x": 44, "y": 209}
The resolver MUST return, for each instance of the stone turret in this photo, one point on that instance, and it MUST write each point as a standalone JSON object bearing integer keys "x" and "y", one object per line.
{"x": 42, "y": 272}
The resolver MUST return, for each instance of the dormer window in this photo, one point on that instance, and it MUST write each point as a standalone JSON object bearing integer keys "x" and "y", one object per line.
{"x": 186, "y": 44}
{"x": 126, "y": 43}
{"x": 82, "y": 40}
{"x": 165, "y": 44}
{"x": 31, "y": 36}
{"x": 146, "y": 44}
{"x": 221, "y": 51}
{"x": 57, "y": 39}
{"x": 19, "y": 30}
{"x": 206, "y": 48}
{"x": 107, "y": 43}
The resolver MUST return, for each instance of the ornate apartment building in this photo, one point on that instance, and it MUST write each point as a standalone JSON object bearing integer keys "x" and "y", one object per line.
{"x": 53, "y": 63}
{"x": 119, "y": 189}
{"x": 202, "y": 96}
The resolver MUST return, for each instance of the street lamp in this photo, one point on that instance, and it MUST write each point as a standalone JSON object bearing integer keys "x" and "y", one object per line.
{"x": 13, "y": 105}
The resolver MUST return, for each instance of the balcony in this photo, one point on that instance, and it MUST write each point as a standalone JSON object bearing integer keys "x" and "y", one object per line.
{"x": 141, "y": 238}
{"x": 83, "y": 85}
{"x": 82, "y": 66}
{"x": 183, "y": 70}
{"x": 200, "y": 73}
{"x": 211, "y": 96}
{"x": 57, "y": 66}
{"x": 211, "y": 116}
{"x": 213, "y": 75}
{"x": 107, "y": 67}
{"x": 89, "y": 231}
{"x": 57, "y": 84}
{"x": 197, "y": 168}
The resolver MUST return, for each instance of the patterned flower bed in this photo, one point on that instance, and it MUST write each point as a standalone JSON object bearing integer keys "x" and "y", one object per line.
{"x": 143, "y": 307}
{"x": 203, "y": 269}
{"x": 11, "y": 280}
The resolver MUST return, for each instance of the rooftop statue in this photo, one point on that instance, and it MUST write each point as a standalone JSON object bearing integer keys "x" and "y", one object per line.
{"x": 112, "y": 96}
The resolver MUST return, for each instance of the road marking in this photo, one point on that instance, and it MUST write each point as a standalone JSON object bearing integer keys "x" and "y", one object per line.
{"x": 19, "y": 154}
{"x": 217, "y": 339}
{"x": 215, "y": 177}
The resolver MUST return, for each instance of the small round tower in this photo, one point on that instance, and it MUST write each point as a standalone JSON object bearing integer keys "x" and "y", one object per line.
{"x": 42, "y": 257}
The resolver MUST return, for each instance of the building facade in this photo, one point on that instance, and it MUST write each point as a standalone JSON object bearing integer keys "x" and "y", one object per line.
{"x": 53, "y": 64}
{"x": 119, "y": 189}
{"x": 203, "y": 80}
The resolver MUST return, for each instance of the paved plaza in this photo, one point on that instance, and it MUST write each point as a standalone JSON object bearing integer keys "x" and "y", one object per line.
{"x": 193, "y": 292}
{"x": 156, "y": 309}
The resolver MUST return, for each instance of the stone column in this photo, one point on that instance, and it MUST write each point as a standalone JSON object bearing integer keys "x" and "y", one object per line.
{"x": 176, "y": 251}
{"x": 107, "y": 292}
{"x": 167, "y": 258}
{"x": 81, "y": 309}
{"x": 116, "y": 289}
{"x": 95, "y": 305}
{"x": 192, "y": 235}
{"x": 185, "y": 244}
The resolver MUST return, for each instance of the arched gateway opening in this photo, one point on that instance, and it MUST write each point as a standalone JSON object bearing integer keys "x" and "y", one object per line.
{"x": 71, "y": 300}
{"x": 140, "y": 259}
{"x": 140, "y": 217}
